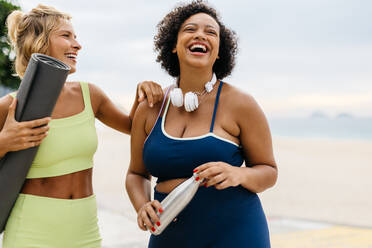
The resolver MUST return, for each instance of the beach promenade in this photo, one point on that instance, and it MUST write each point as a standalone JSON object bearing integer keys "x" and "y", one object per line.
{"x": 322, "y": 197}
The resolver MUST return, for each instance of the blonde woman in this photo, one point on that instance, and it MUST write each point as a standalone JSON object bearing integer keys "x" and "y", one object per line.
{"x": 57, "y": 207}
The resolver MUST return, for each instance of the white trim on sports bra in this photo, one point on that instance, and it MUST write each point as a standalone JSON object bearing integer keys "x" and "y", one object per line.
{"x": 190, "y": 138}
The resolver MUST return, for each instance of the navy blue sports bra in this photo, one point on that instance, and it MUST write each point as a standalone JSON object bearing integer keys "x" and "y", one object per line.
{"x": 167, "y": 157}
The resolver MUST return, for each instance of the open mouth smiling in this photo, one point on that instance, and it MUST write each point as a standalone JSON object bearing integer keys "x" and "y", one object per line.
{"x": 198, "y": 48}
{"x": 71, "y": 56}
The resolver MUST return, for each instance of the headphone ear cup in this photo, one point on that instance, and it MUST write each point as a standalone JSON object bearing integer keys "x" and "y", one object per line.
{"x": 209, "y": 86}
{"x": 176, "y": 97}
{"x": 191, "y": 101}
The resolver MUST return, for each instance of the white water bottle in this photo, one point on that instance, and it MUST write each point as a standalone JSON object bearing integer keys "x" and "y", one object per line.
{"x": 176, "y": 201}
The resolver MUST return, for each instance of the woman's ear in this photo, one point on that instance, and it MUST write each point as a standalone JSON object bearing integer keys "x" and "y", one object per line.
{"x": 174, "y": 50}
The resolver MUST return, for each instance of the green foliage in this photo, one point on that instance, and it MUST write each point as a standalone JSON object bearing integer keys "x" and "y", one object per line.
{"x": 6, "y": 57}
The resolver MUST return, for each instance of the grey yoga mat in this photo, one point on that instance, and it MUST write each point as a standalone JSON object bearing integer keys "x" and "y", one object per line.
{"x": 36, "y": 98}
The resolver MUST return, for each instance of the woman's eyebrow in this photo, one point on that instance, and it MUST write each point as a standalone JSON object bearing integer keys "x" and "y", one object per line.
{"x": 211, "y": 26}
{"x": 192, "y": 24}
{"x": 69, "y": 32}
{"x": 195, "y": 24}
{"x": 65, "y": 30}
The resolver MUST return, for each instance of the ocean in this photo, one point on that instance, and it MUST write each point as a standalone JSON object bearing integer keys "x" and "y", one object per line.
{"x": 323, "y": 127}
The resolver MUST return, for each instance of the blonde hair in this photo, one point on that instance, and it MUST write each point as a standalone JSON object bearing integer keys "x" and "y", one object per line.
{"x": 29, "y": 32}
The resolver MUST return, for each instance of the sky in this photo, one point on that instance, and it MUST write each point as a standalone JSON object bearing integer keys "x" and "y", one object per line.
{"x": 295, "y": 57}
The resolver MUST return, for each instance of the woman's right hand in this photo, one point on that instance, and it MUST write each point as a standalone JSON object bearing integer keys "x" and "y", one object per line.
{"x": 150, "y": 90}
{"x": 17, "y": 136}
{"x": 147, "y": 216}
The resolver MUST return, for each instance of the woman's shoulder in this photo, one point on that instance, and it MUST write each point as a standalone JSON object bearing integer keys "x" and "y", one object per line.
{"x": 6, "y": 100}
{"x": 237, "y": 97}
{"x": 148, "y": 115}
{"x": 78, "y": 87}
{"x": 73, "y": 86}
{"x": 146, "y": 110}
{"x": 242, "y": 106}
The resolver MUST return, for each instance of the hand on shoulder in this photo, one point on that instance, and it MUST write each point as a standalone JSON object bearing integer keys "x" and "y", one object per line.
{"x": 151, "y": 91}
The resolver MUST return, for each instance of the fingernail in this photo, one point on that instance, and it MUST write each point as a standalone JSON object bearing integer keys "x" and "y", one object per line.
{"x": 195, "y": 170}
{"x": 151, "y": 105}
{"x": 197, "y": 178}
{"x": 160, "y": 210}
{"x": 158, "y": 223}
{"x": 153, "y": 229}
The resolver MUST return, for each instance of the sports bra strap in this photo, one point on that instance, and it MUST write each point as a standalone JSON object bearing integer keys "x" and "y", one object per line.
{"x": 165, "y": 98}
{"x": 86, "y": 96}
{"x": 161, "y": 109}
{"x": 215, "y": 106}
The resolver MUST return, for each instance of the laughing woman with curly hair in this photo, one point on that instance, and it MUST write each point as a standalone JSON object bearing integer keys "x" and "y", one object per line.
{"x": 218, "y": 128}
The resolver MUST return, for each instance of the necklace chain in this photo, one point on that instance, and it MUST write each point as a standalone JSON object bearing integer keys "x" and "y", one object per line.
{"x": 200, "y": 94}
{"x": 203, "y": 93}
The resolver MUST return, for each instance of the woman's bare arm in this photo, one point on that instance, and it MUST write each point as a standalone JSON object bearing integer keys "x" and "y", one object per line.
{"x": 114, "y": 117}
{"x": 255, "y": 138}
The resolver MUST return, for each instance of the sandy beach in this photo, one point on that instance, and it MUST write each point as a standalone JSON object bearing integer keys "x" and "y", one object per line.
{"x": 322, "y": 179}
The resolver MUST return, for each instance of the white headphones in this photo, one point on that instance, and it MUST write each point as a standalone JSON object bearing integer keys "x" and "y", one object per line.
{"x": 191, "y": 98}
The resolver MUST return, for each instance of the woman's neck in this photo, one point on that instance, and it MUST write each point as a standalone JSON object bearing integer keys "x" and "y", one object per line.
{"x": 194, "y": 80}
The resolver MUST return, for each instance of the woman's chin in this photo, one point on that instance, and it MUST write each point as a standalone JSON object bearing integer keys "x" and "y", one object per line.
{"x": 199, "y": 65}
{"x": 199, "y": 62}
{"x": 73, "y": 69}
{"x": 71, "y": 64}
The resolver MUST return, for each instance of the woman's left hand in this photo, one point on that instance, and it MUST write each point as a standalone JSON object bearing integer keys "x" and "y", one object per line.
{"x": 219, "y": 174}
{"x": 150, "y": 90}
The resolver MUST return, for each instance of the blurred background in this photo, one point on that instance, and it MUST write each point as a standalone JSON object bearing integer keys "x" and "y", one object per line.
{"x": 307, "y": 63}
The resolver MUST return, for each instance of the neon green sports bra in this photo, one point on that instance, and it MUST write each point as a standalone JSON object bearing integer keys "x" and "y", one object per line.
{"x": 70, "y": 144}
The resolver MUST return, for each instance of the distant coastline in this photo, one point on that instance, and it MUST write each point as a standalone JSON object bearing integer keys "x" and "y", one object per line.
{"x": 343, "y": 126}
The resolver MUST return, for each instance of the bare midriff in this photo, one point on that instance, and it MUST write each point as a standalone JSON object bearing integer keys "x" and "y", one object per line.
{"x": 71, "y": 186}
{"x": 169, "y": 185}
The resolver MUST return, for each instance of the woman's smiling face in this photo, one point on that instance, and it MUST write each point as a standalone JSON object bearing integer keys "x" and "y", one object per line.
{"x": 63, "y": 45}
{"x": 198, "y": 41}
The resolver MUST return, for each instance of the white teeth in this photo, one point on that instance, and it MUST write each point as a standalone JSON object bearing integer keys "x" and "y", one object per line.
{"x": 71, "y": 56}
{"x": 198, "y": 46}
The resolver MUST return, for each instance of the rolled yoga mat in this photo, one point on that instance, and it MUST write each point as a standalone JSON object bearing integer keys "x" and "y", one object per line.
{"x": 36, "y": 97}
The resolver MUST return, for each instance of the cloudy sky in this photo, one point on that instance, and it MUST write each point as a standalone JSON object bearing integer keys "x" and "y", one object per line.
{"x": 295, "y": 56}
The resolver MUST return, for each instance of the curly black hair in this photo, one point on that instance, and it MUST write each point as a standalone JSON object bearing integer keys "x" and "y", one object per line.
{"x": 166, "y": 39}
